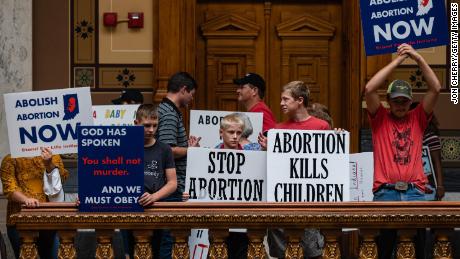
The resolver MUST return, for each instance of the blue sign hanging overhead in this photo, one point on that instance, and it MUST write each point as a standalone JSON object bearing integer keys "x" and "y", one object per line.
{"x": 110, "y": 168}
{"x": 389, "y": 23}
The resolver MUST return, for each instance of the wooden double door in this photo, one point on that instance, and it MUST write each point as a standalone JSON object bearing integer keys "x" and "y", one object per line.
{"x": 281, "y": 40}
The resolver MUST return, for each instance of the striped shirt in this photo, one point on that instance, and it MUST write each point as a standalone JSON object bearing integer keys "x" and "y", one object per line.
{"x": 171, "y": 131}
{"x": 431, "y": 140}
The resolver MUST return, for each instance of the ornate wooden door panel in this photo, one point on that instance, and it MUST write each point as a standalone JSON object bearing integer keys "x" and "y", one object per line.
{"x": 297, "y": 40}
{"x": 305, "y": 53}
{"x": 230, "y": 51}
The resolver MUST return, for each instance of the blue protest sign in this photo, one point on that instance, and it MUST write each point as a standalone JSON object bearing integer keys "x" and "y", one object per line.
{"x": 110, "y": 168}
{"x": 389, "y": 23}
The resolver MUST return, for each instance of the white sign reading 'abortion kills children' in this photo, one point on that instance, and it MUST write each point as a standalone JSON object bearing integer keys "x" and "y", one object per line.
{"x": 308, "y": 166}
{"x": 206, "y": 124}
{"x": 46, "y": 119}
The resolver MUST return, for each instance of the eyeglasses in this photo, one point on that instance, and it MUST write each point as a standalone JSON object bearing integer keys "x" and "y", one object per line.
{"x": 400, "y": 101}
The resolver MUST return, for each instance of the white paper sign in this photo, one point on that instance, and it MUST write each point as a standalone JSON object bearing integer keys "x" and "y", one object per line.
{"x": 226, "y": 175}
{"x": 206, "y": 124}
{"x": 114, "y": 115}
{"x": 361, "y": 176}
{"x": 222, "y": 175}
{"x": 428, "y": 164}
{"x": 198, "y": 243}
{"x": 308, "y": 166}
{"x": 46, "y": 119}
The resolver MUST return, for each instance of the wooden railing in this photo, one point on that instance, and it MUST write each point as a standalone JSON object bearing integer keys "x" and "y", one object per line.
{"x": 368, "y": 217}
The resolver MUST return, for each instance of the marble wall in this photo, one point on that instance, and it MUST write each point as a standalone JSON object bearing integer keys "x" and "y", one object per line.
{"x": 15, "y": 56}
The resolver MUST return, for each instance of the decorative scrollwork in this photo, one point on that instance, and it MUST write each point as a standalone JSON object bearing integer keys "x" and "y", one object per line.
{"x": 406, "y": 250}
{"x": 142, "y": 250}
{"x": 28, "y": 251}
{"x": 218, "y": 251}
{"x": 332, "y": 250}
{"x": 294, "y": 251}
{"x": 256, "y": 250}
{"x": 262, "y": 218}
{"x": 67, "y": 251}
{"x": 368, "y": 250}
{"x": 104, "y": 251}
{"x": 181, "y": 251}
{"x": 442, "y": 250}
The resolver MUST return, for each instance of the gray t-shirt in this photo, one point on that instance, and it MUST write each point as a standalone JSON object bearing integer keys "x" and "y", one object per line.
{"x": 157, "y": 158}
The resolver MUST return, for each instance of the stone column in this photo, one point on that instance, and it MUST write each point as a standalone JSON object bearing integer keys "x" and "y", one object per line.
{"x": 15, "y": 55}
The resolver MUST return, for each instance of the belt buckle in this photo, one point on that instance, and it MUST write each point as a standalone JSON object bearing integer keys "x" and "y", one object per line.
{"x": 401, "y": 186}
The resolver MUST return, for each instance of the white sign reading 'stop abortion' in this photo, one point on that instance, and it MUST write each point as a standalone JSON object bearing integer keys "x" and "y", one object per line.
{"x": 114, "y": 115}
{"x": 308, "y": 166}
{"x": 206, "y": 124}
{"x": 46, "y": 119}
{"x": 223, "y": 175}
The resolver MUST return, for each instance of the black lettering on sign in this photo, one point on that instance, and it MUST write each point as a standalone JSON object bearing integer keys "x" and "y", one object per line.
{"x": 308, "y": 168}
{"x": 228, "y": 189}
{"x": 297, "y": 192}
{"x": 310, "y": 143}
{"x": 229, "y": 163}
{"x": 209, "y": 120}
{"x": 192, "y": 188}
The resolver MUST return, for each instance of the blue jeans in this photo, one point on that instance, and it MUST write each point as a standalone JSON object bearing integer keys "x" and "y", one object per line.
{"x": 387, "y": 240}
{"x": 47, "y": 242}
{"x": 430, "y": 196}
{"x": 412, "y": 194}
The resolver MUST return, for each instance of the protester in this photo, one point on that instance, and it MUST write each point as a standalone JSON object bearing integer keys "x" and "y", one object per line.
{"x": 129, "y": 96}
{"x": 321, "y": 111}
{"x": 159, "y": 179}
{"x": 432, "y": 141}
{"x": 251, "y": 91}
{"x": 247, "y": 131}
{"x": 294, "y": 103}
{"x": 397, "y": 137}
{"x": 231, "y": 129}
{"x": 23, "y": 184}
{"x": 171, "y": 130}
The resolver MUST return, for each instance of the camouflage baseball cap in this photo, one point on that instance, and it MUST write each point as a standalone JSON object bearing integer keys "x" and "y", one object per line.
{"x": 399, "y": 88}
